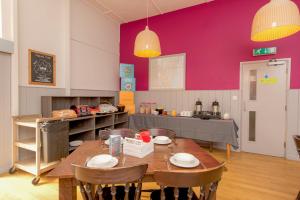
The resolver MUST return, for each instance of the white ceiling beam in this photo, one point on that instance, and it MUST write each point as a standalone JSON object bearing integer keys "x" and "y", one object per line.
{"x": 156, "y": 7}
{"x": 110, "y": 11}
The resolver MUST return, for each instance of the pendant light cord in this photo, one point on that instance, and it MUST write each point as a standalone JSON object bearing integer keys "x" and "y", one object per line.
{"x": 147, "y": 12}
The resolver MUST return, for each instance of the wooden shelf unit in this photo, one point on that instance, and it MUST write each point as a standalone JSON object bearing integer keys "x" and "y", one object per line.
{"x": 85, "y": 128}
{"x": 51, "y": 103}
{"x": 29, "y": 140}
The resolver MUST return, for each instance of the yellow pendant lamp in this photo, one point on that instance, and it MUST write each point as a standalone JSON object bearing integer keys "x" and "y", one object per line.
{"x": 277, "y": 19}
{"x": 147, "y": 43}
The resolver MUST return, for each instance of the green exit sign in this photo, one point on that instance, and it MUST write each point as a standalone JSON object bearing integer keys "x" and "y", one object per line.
{"x": 264, "y": 51}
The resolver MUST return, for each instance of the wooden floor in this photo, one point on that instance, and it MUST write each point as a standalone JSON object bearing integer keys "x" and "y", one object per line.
{"x": 249, "y": 177}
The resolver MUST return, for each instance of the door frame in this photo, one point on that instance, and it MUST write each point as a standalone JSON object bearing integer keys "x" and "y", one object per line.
{"x": 288, "y": 78}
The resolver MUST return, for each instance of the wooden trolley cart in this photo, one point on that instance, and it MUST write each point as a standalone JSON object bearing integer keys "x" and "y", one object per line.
{"x": 27, "y": 146}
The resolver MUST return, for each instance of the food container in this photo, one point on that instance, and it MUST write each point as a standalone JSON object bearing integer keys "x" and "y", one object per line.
{"x": 153, "y": 107}
{"x": 160, "y": 111}
{"x": 142, "y": 108}
{"x": 137, "y": 148}
{"x": 121, "y": 108}
{"x": 148, "y": 108}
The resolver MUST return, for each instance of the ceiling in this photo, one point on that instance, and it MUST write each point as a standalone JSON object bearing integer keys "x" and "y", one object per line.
{"x": 129, "y": 10}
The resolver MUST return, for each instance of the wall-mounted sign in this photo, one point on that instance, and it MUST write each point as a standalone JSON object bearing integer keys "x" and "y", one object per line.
{"x": 265, "y": 51}
{"x": 42, "y": 68}
{"x": 266, "y": 80}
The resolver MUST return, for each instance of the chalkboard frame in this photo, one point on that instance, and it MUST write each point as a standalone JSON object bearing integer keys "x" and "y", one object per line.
{"x": 32, "y": 82}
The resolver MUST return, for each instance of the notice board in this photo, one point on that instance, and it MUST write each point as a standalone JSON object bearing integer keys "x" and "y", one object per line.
{"x": 42, "y": 68}
{"x": 167, "y": 72}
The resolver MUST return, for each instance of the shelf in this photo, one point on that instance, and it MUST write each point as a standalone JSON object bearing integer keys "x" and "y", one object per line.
{"x": 120, "y": 113}
{"x": 72, "y": 148}
{"x": 121, "y": 122}
{"x": 28, "y": 144}
{"x": 30, "y": 166}
{"x": 80, "y": 118}
{"x": 79, "y": 130}
{"x": 103, "y": 125}
{"x": 31, "y": 124}
{"x": 103, "y": 115}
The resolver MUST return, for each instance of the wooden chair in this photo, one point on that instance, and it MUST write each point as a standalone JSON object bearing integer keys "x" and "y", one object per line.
{"x": 178, "y": 184}
{"x": 297, "y": 142}
{"x": 124, "y": 132}
{"x": 161, "y": 132}
{"x": 93, "y": 182}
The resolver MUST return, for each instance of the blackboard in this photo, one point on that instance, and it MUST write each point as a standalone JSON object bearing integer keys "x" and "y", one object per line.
{"x": 42, "y": 68}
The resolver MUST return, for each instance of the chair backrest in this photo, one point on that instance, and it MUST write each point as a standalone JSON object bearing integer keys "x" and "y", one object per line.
{"x": 124, "y": 132}
{"x": 297, "y": 142}
{"x": 162, "y": 132}
{"x": 191, "y": 178}
{"x": 90, "y": 178}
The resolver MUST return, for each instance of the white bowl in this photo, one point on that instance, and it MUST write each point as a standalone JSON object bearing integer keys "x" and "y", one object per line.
{"x": 100, "y": 160}
{"x": 162, "y": 138}
{"x": 184, "y": 158}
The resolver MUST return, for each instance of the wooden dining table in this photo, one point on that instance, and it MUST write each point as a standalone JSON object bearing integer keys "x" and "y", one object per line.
{"x": 157, "y": 160}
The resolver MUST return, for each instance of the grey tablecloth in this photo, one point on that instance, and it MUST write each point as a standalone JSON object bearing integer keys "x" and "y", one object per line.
{"x": 223, "y": 131}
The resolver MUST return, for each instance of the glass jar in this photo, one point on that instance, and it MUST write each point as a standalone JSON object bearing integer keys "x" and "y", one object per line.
{"x": 148, "y": 108}
{"x": 153, "y": 108}
{"x": 142, "y": 108}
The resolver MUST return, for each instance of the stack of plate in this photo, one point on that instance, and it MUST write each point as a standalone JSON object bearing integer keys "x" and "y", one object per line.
{"x": 162, "y": 140}
{"x": 102, "y": 161}
{"x": 76, "y": 143}
{"x": 185, "y": 160}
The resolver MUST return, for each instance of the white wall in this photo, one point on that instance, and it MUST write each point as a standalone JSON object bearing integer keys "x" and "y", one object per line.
{"x": 42, "y": 27}
{"x": 5, "y": 119}
{"x": 94, "y": 48}
{"x": 85, "y": 42}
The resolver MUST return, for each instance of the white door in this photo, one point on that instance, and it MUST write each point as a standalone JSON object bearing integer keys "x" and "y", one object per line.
{"x": 264, "y": 86}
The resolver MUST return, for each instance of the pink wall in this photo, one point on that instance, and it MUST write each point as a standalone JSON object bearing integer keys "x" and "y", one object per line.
{"x": 215, "y": 37}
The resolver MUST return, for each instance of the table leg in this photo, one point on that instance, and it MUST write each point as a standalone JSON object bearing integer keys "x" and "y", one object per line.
{"x": 228, "y": 147}
{"x": 211, "y": 146}
{"x": 67, "y": 189}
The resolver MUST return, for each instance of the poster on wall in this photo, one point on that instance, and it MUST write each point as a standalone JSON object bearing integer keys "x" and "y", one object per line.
{"x": 42, "y": 68}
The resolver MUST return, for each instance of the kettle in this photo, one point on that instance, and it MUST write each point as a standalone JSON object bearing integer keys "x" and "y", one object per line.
{"x": 215, "y": 108}
{"x": 198, "y": 107}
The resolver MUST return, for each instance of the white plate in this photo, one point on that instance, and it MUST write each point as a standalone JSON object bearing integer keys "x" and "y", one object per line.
{"x": 193, "y": 164}
{"x": 76, "y": 143}
{"x": 94, "y": 164}
{"x": 184, "y": 158}
{"x": 107, "y": 141}
{"x": 157, "y": 141}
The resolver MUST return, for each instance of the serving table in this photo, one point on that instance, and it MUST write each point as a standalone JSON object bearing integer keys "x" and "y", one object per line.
{"x": 220, "y": 131}
{"x": 158, "y": 160}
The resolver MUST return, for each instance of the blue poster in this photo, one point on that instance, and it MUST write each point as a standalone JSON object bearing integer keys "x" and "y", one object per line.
{"x": 128, "y": 84}
{"x": 126, "y": 70}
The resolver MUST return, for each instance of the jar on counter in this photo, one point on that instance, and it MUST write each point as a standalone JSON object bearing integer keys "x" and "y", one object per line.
{"x": 142, "y": 108}
{"x": 153, "y": 108}
{"x": 148, "y": 108}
